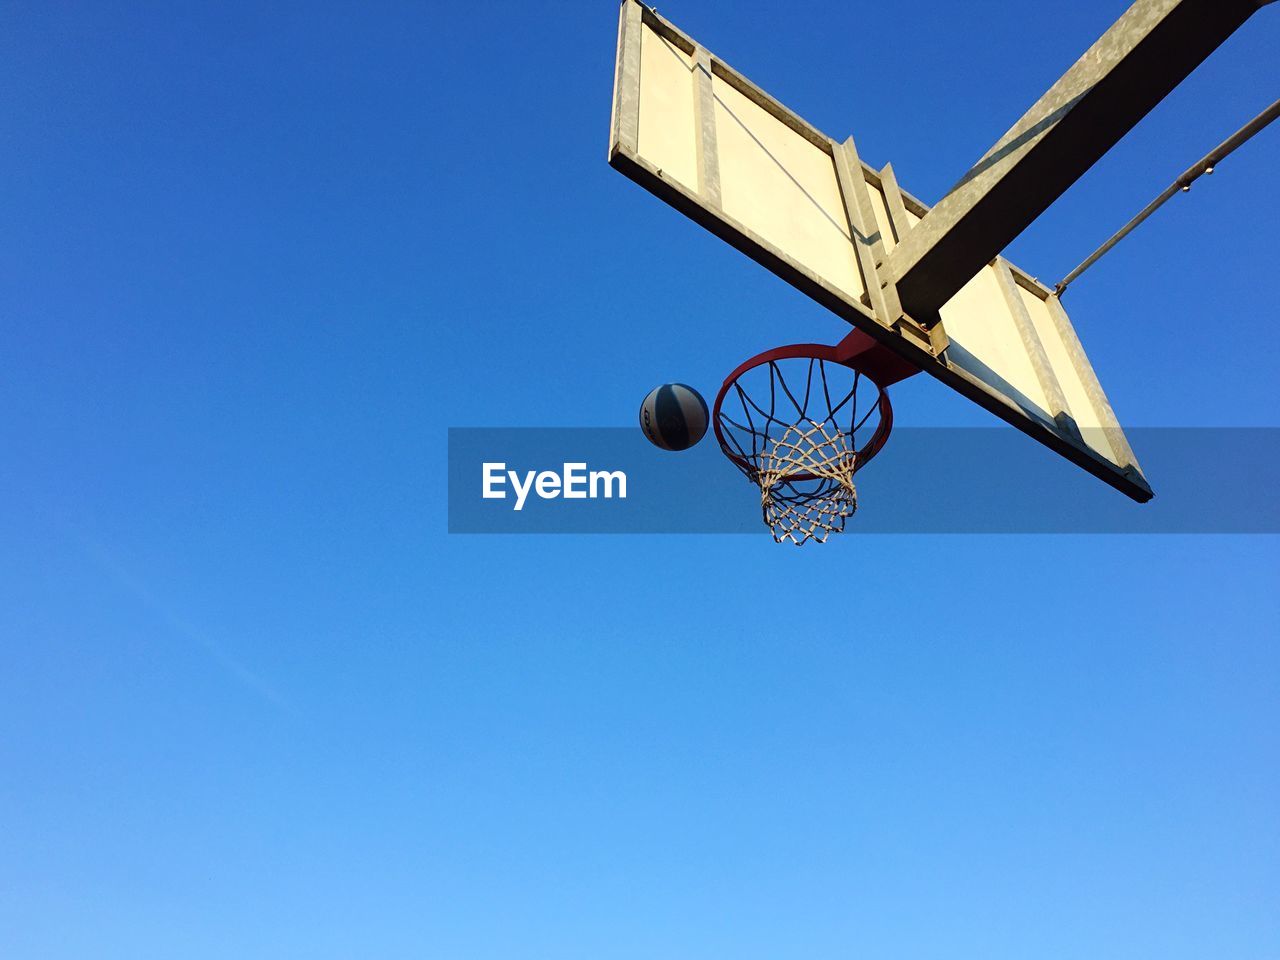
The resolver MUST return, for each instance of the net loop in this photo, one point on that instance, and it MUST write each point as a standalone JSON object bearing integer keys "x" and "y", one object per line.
{"x": 797, "y": 509}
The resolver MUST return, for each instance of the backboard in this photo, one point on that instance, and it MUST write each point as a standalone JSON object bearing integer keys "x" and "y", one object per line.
{"x": 700, "y": 136}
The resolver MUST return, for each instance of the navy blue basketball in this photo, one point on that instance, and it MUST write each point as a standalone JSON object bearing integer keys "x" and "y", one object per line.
{"x": 674, "y": 416}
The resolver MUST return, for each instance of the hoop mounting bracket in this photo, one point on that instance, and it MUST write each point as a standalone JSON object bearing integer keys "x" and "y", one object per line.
{"x": 874, "y": 359}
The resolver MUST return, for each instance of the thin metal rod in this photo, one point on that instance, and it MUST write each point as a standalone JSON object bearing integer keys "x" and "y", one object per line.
{"x": 1183, "y": 183}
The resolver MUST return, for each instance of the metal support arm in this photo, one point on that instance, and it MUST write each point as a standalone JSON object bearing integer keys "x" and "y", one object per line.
{"x": 1145, "y": 54}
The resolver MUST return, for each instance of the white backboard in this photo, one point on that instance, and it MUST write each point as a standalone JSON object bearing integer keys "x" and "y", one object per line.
{"x": 696, "y": 133}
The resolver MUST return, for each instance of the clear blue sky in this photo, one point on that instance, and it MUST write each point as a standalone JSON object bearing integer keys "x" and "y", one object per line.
{"x": 256, "y": 702}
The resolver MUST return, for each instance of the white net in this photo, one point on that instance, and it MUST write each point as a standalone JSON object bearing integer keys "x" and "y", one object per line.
{"x": 806, "y": 482}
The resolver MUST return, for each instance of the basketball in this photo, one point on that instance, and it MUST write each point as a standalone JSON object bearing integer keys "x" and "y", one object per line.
{"x": 674, "y": 416}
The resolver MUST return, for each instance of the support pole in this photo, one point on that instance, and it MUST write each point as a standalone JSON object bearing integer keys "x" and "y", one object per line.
{"x": 1145, "y": 54}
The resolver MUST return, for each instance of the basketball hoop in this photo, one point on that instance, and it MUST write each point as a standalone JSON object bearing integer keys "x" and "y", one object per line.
{"x": 800, "y": 421}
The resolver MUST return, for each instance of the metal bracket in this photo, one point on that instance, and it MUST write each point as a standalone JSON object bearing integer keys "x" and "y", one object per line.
{"x": 910, "y": 331}
{"x": 868, "y": 246}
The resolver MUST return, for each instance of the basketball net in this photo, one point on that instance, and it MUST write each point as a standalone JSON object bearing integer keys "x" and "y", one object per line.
{"x": 806, "y": 482}
{"x": 798, "y": 422}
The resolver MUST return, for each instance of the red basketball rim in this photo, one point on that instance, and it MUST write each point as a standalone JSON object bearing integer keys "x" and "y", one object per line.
{"x": 808, "y": 351}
